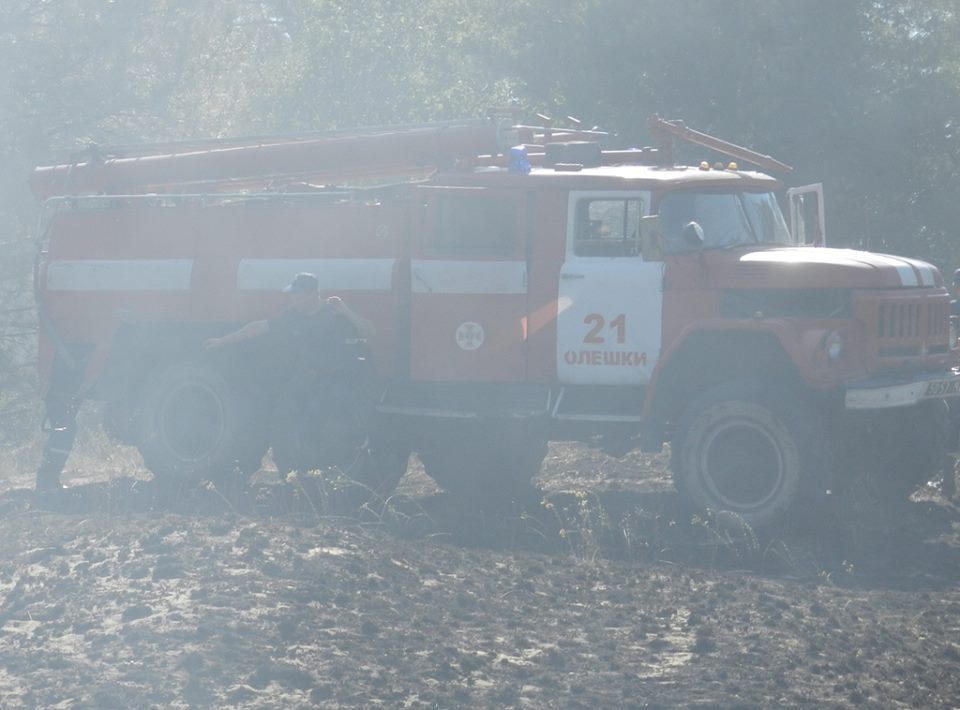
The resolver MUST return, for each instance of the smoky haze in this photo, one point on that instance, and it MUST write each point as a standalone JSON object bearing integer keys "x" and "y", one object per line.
{"x": 861, "y": 95}
{"x": 477, "y": 563}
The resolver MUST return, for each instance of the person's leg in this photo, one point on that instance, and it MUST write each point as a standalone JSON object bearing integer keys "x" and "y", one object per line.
{"x": 62, "y": 421}
{"x": 286, "y": 436}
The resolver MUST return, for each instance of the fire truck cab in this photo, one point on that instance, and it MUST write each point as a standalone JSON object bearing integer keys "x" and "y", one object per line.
{"x": 543, "y": 289}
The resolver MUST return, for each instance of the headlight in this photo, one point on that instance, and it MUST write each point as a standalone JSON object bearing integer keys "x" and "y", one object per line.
{"x": 834, "y": 345}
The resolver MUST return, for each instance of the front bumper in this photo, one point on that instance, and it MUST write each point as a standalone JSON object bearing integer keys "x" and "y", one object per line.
{"x": 888, "y": 392}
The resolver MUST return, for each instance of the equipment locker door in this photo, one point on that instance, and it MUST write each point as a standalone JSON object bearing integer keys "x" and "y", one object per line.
{"x": 469, "y": 287}
{"x": 609, "y": 311}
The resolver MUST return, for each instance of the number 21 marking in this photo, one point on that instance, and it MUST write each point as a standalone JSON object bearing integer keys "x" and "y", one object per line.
{"x": 597, "y": 322}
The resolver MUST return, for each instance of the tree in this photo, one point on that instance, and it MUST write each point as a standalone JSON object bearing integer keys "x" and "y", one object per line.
{"x": 864, "y": 96}
{"x": 375, "y": 62}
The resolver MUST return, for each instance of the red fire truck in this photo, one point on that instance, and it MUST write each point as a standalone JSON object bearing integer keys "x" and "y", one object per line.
{"x": 526, "y": 286}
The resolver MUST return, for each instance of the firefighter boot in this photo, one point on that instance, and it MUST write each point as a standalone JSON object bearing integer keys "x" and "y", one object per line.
{"x": 55, "y": 453}
{"x": 48, "y": 479}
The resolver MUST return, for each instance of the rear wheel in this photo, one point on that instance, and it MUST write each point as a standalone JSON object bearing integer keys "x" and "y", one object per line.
{"x": 750, "y": 449}
{"x": 194, "y": 425}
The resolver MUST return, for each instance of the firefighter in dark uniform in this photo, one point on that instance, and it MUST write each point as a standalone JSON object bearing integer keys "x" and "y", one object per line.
{"x": 315, "y": 343}
{"x": 60, "y": 423}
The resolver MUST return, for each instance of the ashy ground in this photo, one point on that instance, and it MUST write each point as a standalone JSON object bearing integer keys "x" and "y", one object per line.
{"x": 605, "y": 594}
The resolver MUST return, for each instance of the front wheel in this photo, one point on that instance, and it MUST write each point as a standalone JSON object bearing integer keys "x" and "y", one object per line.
{"x": 750, "y": 449}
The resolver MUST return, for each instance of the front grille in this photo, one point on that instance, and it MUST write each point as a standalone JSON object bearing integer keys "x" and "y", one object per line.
{"x": 919, "y": 319}
{"x": 911, "y": 329}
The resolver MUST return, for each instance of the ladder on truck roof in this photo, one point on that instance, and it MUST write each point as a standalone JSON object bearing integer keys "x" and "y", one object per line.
{"x": 218, "y": 165}
{"x": 338, "y": 157}
{"x": 325, "y": 158}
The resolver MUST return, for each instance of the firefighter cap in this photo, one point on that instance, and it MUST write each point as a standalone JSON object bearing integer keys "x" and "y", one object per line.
{"x": 302, "y": 283}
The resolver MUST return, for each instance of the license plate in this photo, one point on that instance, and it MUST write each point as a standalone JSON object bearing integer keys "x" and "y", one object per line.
{"x": 943, "y": 389}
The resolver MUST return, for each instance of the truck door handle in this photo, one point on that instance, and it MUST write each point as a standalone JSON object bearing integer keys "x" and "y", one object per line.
{"x": 568, "y": 276}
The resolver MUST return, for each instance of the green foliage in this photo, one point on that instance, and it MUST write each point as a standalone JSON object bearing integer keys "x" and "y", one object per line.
{"x": 390, "y": 61}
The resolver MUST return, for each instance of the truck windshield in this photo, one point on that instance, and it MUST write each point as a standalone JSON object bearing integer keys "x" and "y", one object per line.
{"x": 726, "y": 219}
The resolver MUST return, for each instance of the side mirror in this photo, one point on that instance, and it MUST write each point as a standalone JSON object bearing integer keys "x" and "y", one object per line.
{"x": 693, "y": 234}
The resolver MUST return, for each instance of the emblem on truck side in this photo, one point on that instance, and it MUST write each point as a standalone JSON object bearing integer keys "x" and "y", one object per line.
{"x": 469, "y": 335}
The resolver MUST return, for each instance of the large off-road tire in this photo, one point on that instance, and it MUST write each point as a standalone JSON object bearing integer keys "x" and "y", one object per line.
{"x": 194, "y": 425}
{"x": 751, "y": 449}
{"x": 487, "y": 463}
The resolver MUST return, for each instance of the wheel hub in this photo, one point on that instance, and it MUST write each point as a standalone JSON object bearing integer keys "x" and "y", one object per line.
{"x": 741, "y": 464}
{"x": 192, "y": 421}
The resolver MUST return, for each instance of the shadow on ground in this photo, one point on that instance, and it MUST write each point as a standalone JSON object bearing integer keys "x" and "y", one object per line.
{"x": 918, "y": 548}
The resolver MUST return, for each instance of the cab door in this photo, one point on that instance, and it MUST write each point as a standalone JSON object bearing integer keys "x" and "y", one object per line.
{"x": 806, "y": 215}
{"x": 468, "y": 281}
{"x": 609, "y": 311}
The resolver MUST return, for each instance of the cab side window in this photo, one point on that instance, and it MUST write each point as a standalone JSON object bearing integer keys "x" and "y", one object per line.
{"x": 478, "y": 225}
{"x": 607, "y": 227}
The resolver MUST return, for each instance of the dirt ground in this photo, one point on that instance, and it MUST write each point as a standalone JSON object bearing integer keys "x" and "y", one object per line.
{"x": 604, "y": 594}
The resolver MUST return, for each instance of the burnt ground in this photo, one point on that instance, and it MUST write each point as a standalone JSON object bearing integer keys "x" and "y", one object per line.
{"x": 604, "y": 595}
